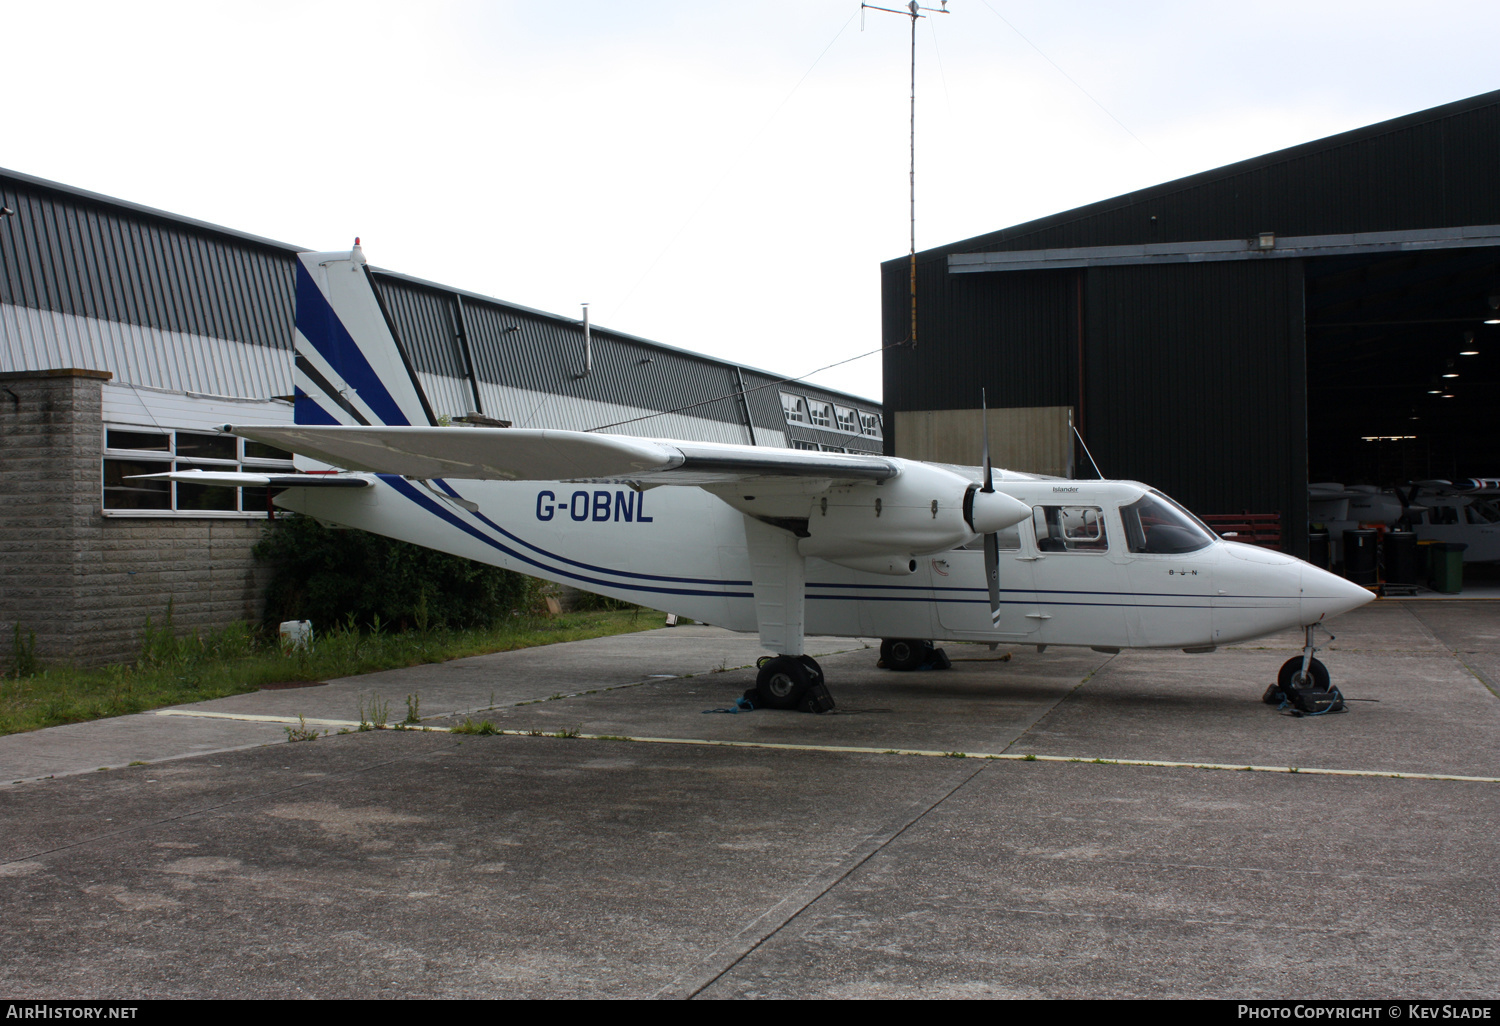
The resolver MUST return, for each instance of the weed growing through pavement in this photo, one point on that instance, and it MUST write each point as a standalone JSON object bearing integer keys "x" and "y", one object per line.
{"x": 380, "y": 713}
{"x": 484, "y": 728}
{"x": 413, "y": 707}
{"x": 301, "y": 732}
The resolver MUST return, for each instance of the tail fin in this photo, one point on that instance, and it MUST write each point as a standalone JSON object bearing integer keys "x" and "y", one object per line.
{"x": 350, "y": 366}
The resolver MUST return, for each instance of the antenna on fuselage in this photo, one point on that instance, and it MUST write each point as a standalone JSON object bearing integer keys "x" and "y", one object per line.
{"x": 1086, "y": 452}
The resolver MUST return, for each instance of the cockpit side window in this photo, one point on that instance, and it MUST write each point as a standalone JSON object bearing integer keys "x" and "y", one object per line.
{"x": 1069, "y": 529}
{"x": 1154, "y": 524}
{"x": 1482, "y": 513}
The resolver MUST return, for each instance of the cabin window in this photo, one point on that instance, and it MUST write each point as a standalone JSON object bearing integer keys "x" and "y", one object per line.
{"x": 795, "y": 408}
{"x": 1069, "y": 529}
{"x": 1155, "y": 524}
{"x": 1481, "y": 513}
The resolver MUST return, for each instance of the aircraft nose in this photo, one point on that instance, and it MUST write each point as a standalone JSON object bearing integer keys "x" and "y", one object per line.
{"x": 1326, "y": 595}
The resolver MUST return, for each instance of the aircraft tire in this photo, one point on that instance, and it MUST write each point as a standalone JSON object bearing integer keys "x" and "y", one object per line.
{"x": 1286, "y": 678}
{"x": 783, "y": 682}
{"x": 904, "y": 653}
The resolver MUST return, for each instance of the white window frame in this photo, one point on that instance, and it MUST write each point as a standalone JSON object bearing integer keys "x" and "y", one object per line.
{"x": 794, "y": 408}
{"x": 171, "y": 458}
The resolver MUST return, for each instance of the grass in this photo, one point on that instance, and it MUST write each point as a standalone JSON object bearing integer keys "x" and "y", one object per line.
{"x": 173, "y": 670}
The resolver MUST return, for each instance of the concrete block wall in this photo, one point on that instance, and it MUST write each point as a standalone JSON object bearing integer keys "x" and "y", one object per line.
{"x": 85, "y": 583}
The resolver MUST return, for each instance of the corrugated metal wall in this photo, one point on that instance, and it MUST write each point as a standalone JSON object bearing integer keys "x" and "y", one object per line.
{"x": 71, "y": 255}
{"x": 1195, "y": 382}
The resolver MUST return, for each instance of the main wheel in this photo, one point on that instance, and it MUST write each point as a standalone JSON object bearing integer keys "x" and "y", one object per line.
{"x": 783, "y": 682}
{"x": 905, "y": 653}
{"x": 1291, "y": 675}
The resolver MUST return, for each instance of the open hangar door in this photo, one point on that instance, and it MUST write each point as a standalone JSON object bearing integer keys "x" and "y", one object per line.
{"x": 1403, "y": 366}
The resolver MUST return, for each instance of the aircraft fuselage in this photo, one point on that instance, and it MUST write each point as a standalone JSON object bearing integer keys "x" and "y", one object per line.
{"x": 684, "y": 550}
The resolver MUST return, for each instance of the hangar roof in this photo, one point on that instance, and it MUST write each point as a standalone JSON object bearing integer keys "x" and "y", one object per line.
{"x": 1432, "y": 169}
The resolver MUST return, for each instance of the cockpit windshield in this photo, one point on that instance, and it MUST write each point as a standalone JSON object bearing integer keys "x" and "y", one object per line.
{"x": 1156, "y": 524}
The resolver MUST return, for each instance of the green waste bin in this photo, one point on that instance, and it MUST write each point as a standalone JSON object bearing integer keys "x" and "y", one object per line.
{"x": 1447, "y": 567}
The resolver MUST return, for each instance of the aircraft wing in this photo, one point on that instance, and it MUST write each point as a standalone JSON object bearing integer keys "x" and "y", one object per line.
{"x": 519, "y": 454}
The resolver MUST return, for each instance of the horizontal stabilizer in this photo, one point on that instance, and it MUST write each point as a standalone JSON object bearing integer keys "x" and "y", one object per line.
{"x": 553, "y": 455}
{"x": 238, "y": 479}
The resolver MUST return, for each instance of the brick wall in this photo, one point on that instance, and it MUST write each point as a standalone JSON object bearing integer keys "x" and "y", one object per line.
{"x": 85, "y": 583}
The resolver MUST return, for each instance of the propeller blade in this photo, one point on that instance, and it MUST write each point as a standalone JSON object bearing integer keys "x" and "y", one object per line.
{"x": 992, "y": 575}
{"x": 991, "y": 541}
{"x": 984, "y": 414}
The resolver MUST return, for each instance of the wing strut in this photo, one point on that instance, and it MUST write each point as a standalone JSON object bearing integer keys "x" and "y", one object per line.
{"x": 778, "y": 574}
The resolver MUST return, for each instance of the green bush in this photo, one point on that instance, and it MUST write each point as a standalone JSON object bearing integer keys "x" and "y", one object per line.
{"x": 326, "y": 575}
{"x": 588, "y": 602}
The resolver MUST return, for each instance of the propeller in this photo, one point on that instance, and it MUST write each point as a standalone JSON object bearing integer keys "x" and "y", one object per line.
{"x": 981, "y": 514}
{"x": 991, "y": 541}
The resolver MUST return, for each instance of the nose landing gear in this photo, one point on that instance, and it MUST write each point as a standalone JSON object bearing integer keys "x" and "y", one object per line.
{"x": 1302, "y": 685}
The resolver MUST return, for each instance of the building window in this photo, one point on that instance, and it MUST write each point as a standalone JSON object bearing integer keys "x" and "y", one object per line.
{"x": 798, "y": 443}
{"x": 869, "y": 424}
{"x": 832, "y": 448}
{"x": 129, "y": 452}
{"x": 795, "y": 408}
{"x": 821, "y": 413}
{"x": 847, "y": 419}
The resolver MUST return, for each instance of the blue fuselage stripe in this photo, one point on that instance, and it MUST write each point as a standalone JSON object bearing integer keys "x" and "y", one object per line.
{"x": 431, "y": 505}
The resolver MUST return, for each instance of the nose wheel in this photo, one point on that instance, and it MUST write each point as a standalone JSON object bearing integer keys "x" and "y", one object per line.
{"x": 1302, "y": 684}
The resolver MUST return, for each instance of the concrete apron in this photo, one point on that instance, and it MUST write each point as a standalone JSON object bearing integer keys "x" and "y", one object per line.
{"x": 1402, "y": 680}
{"x": 776, "y": 862}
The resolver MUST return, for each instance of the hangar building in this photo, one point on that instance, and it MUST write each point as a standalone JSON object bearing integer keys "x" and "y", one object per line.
{"x": 1325, "y": 312}
{"x": 128, "y": 334}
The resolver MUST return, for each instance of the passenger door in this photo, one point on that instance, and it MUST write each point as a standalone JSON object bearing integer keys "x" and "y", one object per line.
{"x": 962, "y": 594}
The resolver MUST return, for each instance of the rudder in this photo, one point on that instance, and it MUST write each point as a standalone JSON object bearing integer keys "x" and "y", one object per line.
{"x": 350, "y": 367}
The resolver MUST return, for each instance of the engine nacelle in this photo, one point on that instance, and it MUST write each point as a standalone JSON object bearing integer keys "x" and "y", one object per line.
{"x": 919, "y": 511}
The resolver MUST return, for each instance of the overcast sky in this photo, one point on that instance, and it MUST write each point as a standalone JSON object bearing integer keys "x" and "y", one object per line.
{"x": 724, "y": 177}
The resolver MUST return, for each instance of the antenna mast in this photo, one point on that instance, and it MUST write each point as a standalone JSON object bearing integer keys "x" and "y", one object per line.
{"x": 913, "y": 11}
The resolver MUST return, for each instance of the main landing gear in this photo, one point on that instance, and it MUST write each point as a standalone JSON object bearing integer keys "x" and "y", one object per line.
{"x": 1302, "y": 685}
{"x": 790, "y": 682}
{"x": 911, "y": 654}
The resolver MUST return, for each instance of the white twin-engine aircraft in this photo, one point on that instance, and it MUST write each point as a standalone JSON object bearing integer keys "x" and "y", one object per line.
{"x": 780, "y": 541}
